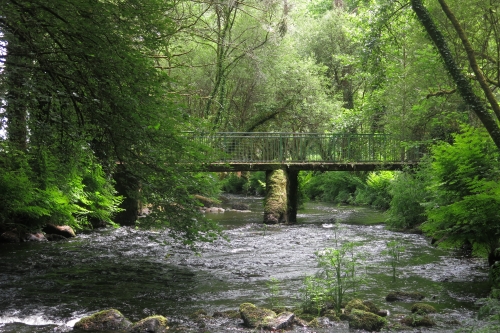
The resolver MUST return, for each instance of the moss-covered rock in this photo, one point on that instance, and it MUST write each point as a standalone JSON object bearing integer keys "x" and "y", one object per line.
{"x": 404, "y": 296}
{"x": 418, "y": 321}
{"x": 283, "y": 320}
{"x": 356, "y": 304}
{"x": 106, "y": 320}
{"x": 153, "y": 324}
{"x": 359, "y": 319}
{"x": 255, "y": 317}
{"x": 422, "y": 308}
{"x": 331, "y": 315}
{"x": 319, "y": 322}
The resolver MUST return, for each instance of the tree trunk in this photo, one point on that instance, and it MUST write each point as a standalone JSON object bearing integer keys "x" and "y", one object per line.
{"x": 463, "y": 85}
{"x": 17, "y": 75}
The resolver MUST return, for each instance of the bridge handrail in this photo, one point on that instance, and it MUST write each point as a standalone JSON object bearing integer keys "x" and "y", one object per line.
{"x": 288, "y": 147}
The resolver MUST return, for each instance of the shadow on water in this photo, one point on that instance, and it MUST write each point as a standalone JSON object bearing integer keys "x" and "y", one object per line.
{"x": 143, "y": 273}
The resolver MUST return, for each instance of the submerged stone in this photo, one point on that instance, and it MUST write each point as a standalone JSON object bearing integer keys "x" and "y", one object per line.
{"x": 418, "y": 321}
{"x": 404, "y": 296}
{"x": 106, "y": 320}
{"x": 359, "y": 319}
{"x": 153, "y": 324}
{"x": 422, "y": 308}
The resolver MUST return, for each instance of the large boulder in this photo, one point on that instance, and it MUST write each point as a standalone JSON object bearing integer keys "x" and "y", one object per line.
{"x": 9, "y": 237}
{"x": 62, "y": 230}
{"x": 106, "y": 320}
{"x": 153, "y": 324}
{"x": 255, "y": 317}
{"x": 359, "y": 319}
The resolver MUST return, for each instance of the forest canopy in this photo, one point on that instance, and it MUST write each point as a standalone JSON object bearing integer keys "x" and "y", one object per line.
{"x": 98, "y": 95}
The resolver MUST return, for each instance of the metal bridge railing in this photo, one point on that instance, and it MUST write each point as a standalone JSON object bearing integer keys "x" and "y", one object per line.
{"x": 260, "y": 147}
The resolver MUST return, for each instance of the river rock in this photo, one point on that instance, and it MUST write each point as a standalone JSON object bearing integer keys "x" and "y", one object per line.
{"x": 240, "y": 206}
{"x": 255, "y": 317}
{"x": 153, "y": 324}
{"x": 404, "y": 296}
{"x": 62, "y": 230}
{"x": 106, "y": 320}
{"x": 359, "y": 319}
{"x": 422, "y": 308}
{"x": 284, "y": 320}
{"x": 38, "y": 237}
{"x": 54, "y": 237}
{"x": 418, "y": 321}
{"x": 10, "y": 237}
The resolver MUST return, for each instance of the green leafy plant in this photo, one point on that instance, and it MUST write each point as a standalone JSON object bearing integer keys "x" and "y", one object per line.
{"x": 273, "y": 286}
{"x": 339, "y": 274}
{"x": 394, "y": 251}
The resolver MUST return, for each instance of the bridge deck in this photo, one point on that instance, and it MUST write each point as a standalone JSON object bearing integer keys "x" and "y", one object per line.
{"x": 305, "y": 151}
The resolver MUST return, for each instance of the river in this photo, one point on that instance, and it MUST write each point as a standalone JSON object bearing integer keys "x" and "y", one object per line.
{"x": 47, "y": 287}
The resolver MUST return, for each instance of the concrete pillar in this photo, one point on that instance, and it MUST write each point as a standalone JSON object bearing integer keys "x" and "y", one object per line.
{"x": 292, "y": 194}
{"x": 275, "y": 202}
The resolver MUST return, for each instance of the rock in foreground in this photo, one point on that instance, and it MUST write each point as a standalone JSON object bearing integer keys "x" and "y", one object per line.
{"x": 106, "y": 320}
{"x": 153, "y": 324}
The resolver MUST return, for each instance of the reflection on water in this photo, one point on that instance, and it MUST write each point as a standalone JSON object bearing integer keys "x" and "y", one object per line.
{"x": 143, "y": 273}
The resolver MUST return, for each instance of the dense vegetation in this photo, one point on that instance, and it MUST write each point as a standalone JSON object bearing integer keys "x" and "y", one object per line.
{"x": 98, "y": 98}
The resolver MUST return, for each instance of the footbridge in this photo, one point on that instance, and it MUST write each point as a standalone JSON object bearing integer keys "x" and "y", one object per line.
{"x": 240, "y": 151}
{"x": 289, "y": 153}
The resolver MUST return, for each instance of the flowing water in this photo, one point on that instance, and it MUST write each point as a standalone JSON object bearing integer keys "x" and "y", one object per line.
{"x": 47, "y": 287}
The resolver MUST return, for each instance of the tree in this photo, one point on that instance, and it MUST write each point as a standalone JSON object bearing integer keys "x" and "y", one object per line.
{"x": 462, "y": 82}
{"x": 90, "y": 91}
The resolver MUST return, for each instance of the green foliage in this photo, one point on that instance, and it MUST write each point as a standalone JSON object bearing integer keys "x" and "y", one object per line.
{"x": 274, "y": 291}
{"x": 337, "y": 187}
{"x": 61, "y": 194}
{"x": 394, "y": 251}
{"x": 339, "y": 274}
{"x": 253, "y": 183}
{"x": 376, "y": 191}
{"x": 465, "y": 201}
{"x": 408, "y": 191}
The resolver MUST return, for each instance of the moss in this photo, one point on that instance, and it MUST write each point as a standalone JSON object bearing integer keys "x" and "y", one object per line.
{"x": 359, "y": 319}
{"x": 231, "y": 314}
{"x": 331, "y": 315}
{"x": 156, "y": 324}
{"x": 199, "y": 314}
{"x": 275, "y": 202}
{"x": 404, "y": 296}
{"x": 356, "y": 304}
{"x": 418, "y": 321}
{"x": 110, "y": 319}
{"x": 422, "y": 308}
{"x": 255, "y": 317}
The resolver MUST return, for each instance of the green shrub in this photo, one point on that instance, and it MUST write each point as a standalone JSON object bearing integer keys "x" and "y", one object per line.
{"x": 408, "y": 190}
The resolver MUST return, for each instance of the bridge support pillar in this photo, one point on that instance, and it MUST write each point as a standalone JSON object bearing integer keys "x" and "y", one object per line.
{"x": 275, "y": 202}
{"x": 281, "y": 201}
{"x": 292, "y": 194}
